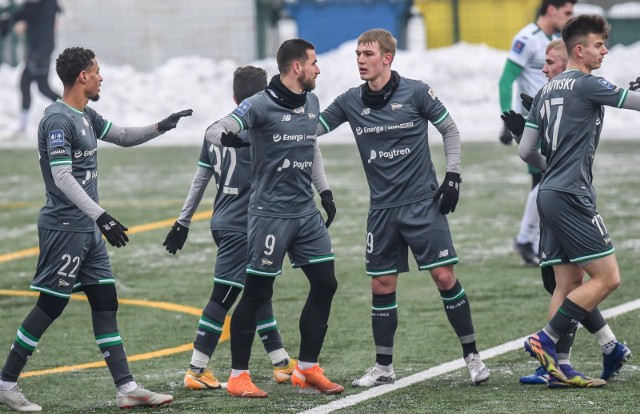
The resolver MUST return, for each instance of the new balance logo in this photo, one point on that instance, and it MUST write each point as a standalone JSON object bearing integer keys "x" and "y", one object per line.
{"x": 443, "y": 253}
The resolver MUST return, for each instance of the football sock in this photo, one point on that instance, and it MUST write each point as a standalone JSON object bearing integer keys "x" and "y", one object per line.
{"x": 530, "y": 224}
{"x": 306, "y": 365}
{"x": 565, "y": 319}
{"x": 199, "y": 361}
{"x": 563, "y": 347}
{"x": 458, "y": 310}
{"x": 209, "y": 328}
{"x": 384, "y": 322}
{"x": 26, "y": 341}
{"x": 279, "y": 357}
{"x": 105, "y": 329}
{"x": 267, "y": 329}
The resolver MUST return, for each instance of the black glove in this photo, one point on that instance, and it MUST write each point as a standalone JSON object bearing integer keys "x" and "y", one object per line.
{"x": 112, "y": 230}
{"x": 229, "y": 139}
{"x": 514, "y": 122}
{"x": 326, "y": 197}
{"x": 5, "y": 24}
{"x": 505, "y": 136}
{"x": 450, "y": 191}
{"x": 171, "y": 121}
{"x": 527, "y": 101}
{"x": 176, "y": 237}
{"x": 634, "y": 85}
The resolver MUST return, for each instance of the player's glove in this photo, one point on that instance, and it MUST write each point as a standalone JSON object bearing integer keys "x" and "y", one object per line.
{"x": 5, "y": 24}
{"x": 171, "y": 121}
{"x": 176, "y": 237}
{"x": 526, "y": 100}
{"x": 229, "y": 139}
{"x": 634, "y": 85}
{"x": 514, "y": 122}
{"x": 505, "y": 136}
{"x": 112, "y": 230}
{"x": 326, "y": 197}
{"x": 450, "y": 192}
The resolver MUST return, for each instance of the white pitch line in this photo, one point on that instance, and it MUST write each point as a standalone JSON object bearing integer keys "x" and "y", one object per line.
{"x": 445, "y": 368}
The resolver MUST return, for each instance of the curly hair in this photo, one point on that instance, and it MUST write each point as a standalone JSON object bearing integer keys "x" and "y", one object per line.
{"x": 71, "y": 62}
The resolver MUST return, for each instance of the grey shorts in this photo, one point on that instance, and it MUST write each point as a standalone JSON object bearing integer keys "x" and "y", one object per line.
{"x": 571, "y": 230}
{"x": 231, "y": 261}
{"x": 305, "y": 239}
{"x": 70, "y": 260}
{"x": 419, "y": 226}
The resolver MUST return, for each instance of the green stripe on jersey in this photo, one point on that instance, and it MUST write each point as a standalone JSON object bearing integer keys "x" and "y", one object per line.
{"x": 324, "y": 123}
{"x": 256, "y": 272}
{"x": 240, "y": 121}
{"x": 205, "y": 165}
{"x": 60, "y": 161}
{"x": 228, "y": 283}
{"x": 592, "y": 256}
{"x": 105, "y": 130}
{"x": 50, "y": 291}
{"x": 383, "y": 272}
{"x": 444, "y": 262}
{"x": 442, "y": 118}
{"x": 531, "y": 125}
{"x": 623, "y": 98}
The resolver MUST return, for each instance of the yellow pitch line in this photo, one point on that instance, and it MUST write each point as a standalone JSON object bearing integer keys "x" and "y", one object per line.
{"x": 33, "y": 251}
{"x": 190, "y": 310}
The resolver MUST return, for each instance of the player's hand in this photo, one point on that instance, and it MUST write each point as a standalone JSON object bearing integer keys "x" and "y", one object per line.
{"x": 176, "y": 237}
{"x": 229, "y": 139}
{"x": 112, "y": 230}
{"x": 505, "y": 136}
{"x": 514, "y": 122}
{"x": 634, "y": 85}
{"x": 526, "y": 100}
{"x": 450, "y": 192}
{"x": 171, "y": 121}
{"x": 326, "y": 197}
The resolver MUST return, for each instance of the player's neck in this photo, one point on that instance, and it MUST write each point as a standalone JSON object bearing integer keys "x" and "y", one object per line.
{"x": 578, "y": 65}
{"x": 545, "y": 25}
{"x": 292, "y": 84}
{"x": 379, "y": 82}
{"x": 76, "y": 100}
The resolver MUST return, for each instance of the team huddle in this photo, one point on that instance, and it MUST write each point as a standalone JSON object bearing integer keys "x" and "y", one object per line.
{"x": 266, "y": 162}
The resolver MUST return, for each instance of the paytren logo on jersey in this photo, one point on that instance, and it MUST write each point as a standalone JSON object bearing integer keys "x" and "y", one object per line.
{"x": 295, "y": 164}
{"x": 389, "y": 155}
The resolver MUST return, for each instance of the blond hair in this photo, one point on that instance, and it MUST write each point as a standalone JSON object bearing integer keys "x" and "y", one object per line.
{"x": 558, "y": 44}
{"x": 384, "y": 38}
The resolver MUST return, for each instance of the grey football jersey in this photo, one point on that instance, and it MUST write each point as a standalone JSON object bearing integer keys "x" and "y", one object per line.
{"x": 282, "y": 150}
{"x": 392, "y": 141}
{"x": 568, "y": 113}
{"x": 232, "y": 171}
{"x": 67, "y": 136}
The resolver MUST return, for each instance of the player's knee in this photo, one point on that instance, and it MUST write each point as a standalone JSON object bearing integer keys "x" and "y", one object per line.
{"x": 444, "y": 277}
{"x": 51, "y": 305}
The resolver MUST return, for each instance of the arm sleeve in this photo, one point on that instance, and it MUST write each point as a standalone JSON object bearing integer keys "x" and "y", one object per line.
{"x": 318, "y": 176}
{"x": 199, "y": 184}
{"x": 333, "y": 116}
{"x": 63, "y": 178}
{"x": 130, "y": 136}
{"x": 505, "y": 85}
{"x": 227, "y": 124}
{"x": 632, "y": 101}
{"x": 452, "y": 147}
{"x": 528, "y": 151}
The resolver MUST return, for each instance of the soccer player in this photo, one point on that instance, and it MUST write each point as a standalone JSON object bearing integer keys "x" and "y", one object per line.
{"x": 523, "y": 66}
{"x": 567, "y": 116}
{"x": 615, "y": 354}
{"x": 73, "y": 255}
{"x": 231, "y": 168}
{"x": 281, "y": 122}
{"x": 389, "y": 115}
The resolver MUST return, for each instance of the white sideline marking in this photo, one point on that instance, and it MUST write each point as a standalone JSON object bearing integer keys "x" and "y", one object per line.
{"x": 445, "y": 368}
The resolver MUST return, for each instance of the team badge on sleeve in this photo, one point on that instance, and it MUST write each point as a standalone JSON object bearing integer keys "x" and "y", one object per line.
{"x": 242, "y": 108}
{"x": 606, "y": 83}
{"x": 56, "y": 138}
{"x": 432, "y": 94}
{"x": 518, "y": 46}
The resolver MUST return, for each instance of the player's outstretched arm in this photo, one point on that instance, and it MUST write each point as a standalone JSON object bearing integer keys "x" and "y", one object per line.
{"x": 132, "y": 136}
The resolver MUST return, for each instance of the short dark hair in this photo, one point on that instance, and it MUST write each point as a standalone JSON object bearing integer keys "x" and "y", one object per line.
{"x": 290, "y": 51}
{"x": 579, "y": 27}
{"x": 247, "y": 80}
{"x": 556, "y": 3}
{"x": 71, "y": 62}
